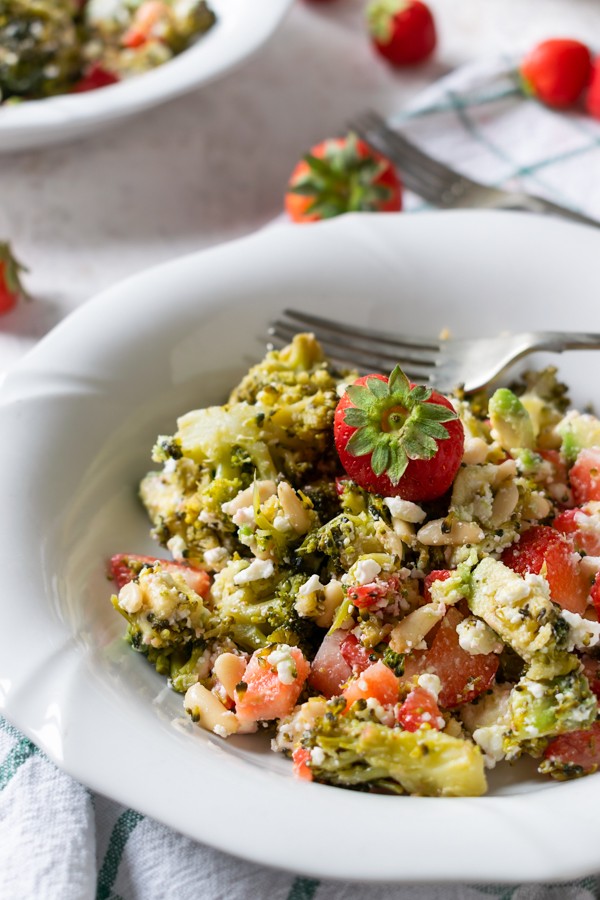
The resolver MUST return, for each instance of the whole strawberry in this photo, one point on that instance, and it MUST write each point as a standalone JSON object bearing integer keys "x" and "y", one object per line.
{"x": 398, "y": 439}
{"x": 592, "y": 101}
{"x": 402, "y": 31}
{"x": 11, "y": 289}
{"x": 557, "y": 71}
{"x": 342, "y": 175}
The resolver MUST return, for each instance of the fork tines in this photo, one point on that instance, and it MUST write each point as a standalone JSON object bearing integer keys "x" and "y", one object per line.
{"x": 364, "y": 349}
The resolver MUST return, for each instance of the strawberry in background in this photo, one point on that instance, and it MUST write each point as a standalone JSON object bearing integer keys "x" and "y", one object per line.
{"x": 11, "y": 288}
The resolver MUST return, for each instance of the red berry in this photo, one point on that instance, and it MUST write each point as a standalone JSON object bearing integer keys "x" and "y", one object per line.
{"x": 342, "y": 175}
{"x": 543, "y": 548}
{"x": 402, "y": 31}
{"x": 420, "y": 708}
{"x": 557, "y": 71}
{"x": 399, "y": 439}
{"x": 592, "y": 101}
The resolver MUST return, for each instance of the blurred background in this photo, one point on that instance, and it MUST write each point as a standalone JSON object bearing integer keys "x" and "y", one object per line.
{"x": 212, "y": 166}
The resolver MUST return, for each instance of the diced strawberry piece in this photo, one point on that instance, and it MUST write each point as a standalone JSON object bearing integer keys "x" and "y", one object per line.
{"x": 125, "y": 566}
{"x": 578, "y": 748}
{"x": 420, "y": 708}
{"x": 463, "y": 676}
{"x": 435, "y": 575}
{"x": 378, "y": 682}
{"x": 96, "y": 77}
{"x": 580, "y": 524}
{"x": 585, "y": 476}
{"x": 542, "y": 547}
{"x": 591, "y": 670}
{"x": 559, "y": 467}
{"x": 329, "y": 670}
{"x": 266, "y": 697}
{"x": 365, "y": 596}
{"x": 595, "y": 593}
{"x": 300, "y": 758}
{"x": 357, "y": 656}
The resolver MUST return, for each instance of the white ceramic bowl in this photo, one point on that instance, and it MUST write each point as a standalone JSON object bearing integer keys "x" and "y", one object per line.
{"x": 241, "y": 28}
{"x": 78, "y": 417}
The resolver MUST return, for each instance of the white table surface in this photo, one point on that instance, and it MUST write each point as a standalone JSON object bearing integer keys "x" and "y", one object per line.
{"x": 212, "y": 166}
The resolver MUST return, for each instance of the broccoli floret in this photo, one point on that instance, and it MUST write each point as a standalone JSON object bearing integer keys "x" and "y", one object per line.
{"x": 546, "y": 399}
{"x": 40, "y": 53}
{"x": 295, "y": 388}
{"x": 549, "y": 707}
{"x": 261, "y": 611}
{"x": 521, "y": 612}
{"x": 578, "y": 431}
{"x": 511, "y": 423}
{"x": 343, "y": 539}
{"x": 357, "y": 751}
{"x": 167, "y": 620}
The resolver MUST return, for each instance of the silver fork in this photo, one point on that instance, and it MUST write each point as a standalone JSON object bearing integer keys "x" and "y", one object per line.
{"x": 442, "y": 186}
{"x": 441, "y": 364}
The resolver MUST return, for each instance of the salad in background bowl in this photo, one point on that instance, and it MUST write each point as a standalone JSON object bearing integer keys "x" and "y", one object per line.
{"x": 84, "y": 409}
{"x": 68, "y": 68}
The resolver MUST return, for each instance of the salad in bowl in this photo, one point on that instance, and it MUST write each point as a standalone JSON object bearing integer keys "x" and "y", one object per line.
{"x": 50, "y": 47}
{"x": 402, "y": 587}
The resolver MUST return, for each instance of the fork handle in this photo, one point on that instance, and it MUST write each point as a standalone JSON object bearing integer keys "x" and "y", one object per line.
{"x": 557, "y": 341}
{"x": 547, "y": 207}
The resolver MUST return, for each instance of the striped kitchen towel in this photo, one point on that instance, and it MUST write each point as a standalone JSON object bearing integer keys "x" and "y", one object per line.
{"x": 59, "y": 841}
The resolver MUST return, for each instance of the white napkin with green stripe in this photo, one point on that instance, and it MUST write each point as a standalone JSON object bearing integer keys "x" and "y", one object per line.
{"x": 58, "y": 841}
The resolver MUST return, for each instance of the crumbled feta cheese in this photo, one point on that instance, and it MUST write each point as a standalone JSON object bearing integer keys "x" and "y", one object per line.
{"x": 534, "y": 687}
{"x": 131, "y": 597}
{"x": 317, "y": 756}
{"x": 244, "y": 516}
{"x": 491, "y": 741}
{"x": 513, "y": 592}
{"x": 221, "y": 731}
{"x": 216, "y": 556}
{"x": 404, "y": 509}
{"x": 311, "y": 586}
{"x": 365, "y": 570}
{"x": 582, "y": 632}
{"x": 177, "y": 547}
{"x": 430, "y": 683}
{"x": 258, "y": 568}
{"x": 282, "y": 523}
{"x": 285, "y": 664}
{"x": 475, "y": 637}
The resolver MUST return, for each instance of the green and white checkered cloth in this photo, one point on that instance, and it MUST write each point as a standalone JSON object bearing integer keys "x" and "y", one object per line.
{"x": 58, "y": 841}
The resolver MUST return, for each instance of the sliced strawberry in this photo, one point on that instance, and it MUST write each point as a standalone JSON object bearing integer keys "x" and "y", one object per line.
{"x": 366, "y": 596}
{"x": 300, "y": 759}
{"x": 583, "y": 525}
{"x": 265, "y": 696}
{"x": 544, "y": 548}
{"x": 329, "y": 669}
{"x": 124, "y": 567}
{"x": 420, "y": 708}
{"x": 585, "y": 476}
{"x": 580, "y": 749}
{"x": 595, "y": 593}
{"x": 357, "y": 656}
{"x": 96, "y": 77}
{"x": 434, "y": 575}
{"x": 591, "y": 670}
{"x": 462, "y": 675}
{"x": 378, "y": 682}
